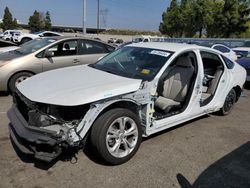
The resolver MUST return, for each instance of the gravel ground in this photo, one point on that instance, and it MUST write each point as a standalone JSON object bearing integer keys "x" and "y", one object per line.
{"x": 211, "y": 151}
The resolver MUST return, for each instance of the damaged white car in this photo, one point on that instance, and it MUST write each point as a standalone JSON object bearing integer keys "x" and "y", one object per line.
{"x": 134, "y": 92}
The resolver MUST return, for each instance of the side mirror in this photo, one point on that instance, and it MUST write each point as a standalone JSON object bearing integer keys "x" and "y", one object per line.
{"x": 49, "y": 54}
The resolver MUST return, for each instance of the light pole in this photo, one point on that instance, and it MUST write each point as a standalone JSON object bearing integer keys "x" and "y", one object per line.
{"x": 98, "y": 16}
{"x": 84, "y": 18}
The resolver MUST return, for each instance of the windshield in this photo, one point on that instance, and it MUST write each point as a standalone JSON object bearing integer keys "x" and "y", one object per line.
{"x": 34, "y": 45}
{"x": 134, "y": 62}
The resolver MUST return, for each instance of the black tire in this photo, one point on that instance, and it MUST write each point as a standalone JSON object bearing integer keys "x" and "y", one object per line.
{"x": 229, "y": 103}
{"x": 24, "y": 40}
{"x": 99, "y": 132}
{"x": 14, "y": 79}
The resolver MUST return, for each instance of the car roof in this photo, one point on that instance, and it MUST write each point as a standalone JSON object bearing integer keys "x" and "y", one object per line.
{"x": 167, "y": 46}
{"x": 62, "y": 38}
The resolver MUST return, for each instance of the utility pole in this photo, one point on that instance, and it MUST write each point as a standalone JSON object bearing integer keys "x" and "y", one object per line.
{"x": 98, "y": 12}
{"x": 84, "y": 18}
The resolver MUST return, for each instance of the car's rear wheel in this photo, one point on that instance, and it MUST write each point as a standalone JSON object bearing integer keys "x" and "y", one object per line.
{"x": 116, "y": 136}
{"x": 229, "y": 103}
{"x": 18, "y": 78}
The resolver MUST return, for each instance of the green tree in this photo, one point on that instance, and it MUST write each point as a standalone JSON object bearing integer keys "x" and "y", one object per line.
{"x": 188, "y": 18}
{"x": 47, "y": 21}
{"x": 15, "y": 24}
{"x": 7, "y": 19}
{"x": 203, "y": 15}
{"x": 172, "y": 20}
{"x": 236, "y": 14}
{"x": 35, "y": 22}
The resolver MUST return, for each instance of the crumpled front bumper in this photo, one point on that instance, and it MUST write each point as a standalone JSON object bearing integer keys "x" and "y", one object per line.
{"x": 44, "y": 145}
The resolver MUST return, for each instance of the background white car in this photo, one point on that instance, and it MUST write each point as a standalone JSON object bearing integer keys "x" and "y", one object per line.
{"x": 25, "y": 37}
{"x": 8, "y": 34}
{"x": 226, "y": 51}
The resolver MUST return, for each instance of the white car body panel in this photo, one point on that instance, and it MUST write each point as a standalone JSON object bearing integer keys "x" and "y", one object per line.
{"x": 18, "y": 39}
{"x": 82, "y": 83}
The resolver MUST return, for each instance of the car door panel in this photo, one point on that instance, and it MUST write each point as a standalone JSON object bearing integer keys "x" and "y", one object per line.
{"x": 192, "y": 107}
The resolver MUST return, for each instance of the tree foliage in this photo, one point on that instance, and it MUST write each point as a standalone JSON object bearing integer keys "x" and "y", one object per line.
{"x": 47, "y": 21}
{"x": 34, "y": 22}
{"x": 38, "y": 21}
{"x": 213, "y": 18}
{"x": 8, "y": 22}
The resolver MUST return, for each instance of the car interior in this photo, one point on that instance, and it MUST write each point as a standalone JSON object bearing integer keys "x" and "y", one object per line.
{"x": 213, "y": 70}
{"x": 176, "y": 85}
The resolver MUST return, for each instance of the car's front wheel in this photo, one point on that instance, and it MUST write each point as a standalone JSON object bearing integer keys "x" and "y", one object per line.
{"x": 18, "y": 78}
{"x": 229, "y": 103}
{"x": 116, "y": 135}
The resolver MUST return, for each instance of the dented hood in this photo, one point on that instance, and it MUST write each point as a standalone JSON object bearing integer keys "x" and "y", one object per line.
{"x": 75, "y": 86}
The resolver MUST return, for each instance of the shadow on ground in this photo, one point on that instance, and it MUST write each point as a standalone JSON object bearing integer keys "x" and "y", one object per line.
{"x": 69, "y": 155}
{"x": 247, "y": 86}
{"x": 233, "y": 170}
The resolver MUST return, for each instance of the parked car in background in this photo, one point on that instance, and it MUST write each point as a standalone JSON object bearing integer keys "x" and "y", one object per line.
{"x": 245, "y": 62}
{"x": 48, "y": 34}
{"x": 242, "y": 51}
{"x": 228, "y": 52}
{"x": 136, "y": 91}
{"x": 8, "y": 34}
{"x": 1, "y": 35}
{"x": 43, "y": 54}
{"x": 6, "y": 46}
{"x": 25, "y": 37}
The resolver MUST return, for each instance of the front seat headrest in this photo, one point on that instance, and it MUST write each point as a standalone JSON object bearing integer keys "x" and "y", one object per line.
{"x": 184, "y": 61}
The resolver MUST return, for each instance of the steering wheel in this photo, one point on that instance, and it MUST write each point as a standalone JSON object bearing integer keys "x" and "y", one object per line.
{"x": 120, "y": 65}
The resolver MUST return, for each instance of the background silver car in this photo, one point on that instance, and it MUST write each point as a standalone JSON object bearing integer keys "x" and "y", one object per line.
{"x": 45, "y": 54}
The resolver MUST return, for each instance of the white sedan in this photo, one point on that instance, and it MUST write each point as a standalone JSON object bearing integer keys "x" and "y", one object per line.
{"x": 134, "y": 92}
{"x": 228, "y": 52}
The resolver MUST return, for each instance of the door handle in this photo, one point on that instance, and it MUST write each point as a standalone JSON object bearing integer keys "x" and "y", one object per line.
{"x": 76, "y": 61}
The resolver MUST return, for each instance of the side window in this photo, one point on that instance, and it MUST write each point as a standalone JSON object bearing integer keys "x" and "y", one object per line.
{"x": 91, "y": 47}
{"x": 65, "y": 48}
{"x": 211, "y": 62}
{"x": 228, "y": 62}
{"x": 46, "y": 35}
{"x": 222, "y": 49}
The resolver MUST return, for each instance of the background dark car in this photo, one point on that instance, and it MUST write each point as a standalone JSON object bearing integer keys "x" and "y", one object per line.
{"x": 245, "y": 62}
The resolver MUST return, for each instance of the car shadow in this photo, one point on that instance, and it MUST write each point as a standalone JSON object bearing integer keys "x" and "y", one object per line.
{"x": 69, "y": 155}
{"x": 3, "y": 94}
{"x": 232, "y": 170}
{"x": 247, "y": 85}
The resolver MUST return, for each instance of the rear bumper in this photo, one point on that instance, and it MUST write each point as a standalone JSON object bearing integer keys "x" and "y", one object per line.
{"x": 43, "y": 145}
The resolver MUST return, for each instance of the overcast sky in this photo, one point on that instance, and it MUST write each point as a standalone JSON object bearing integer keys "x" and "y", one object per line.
{"x": 131, "y": 14}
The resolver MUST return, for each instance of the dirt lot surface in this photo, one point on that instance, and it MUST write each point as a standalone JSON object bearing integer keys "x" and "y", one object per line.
{"x": 211, "y": 151}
